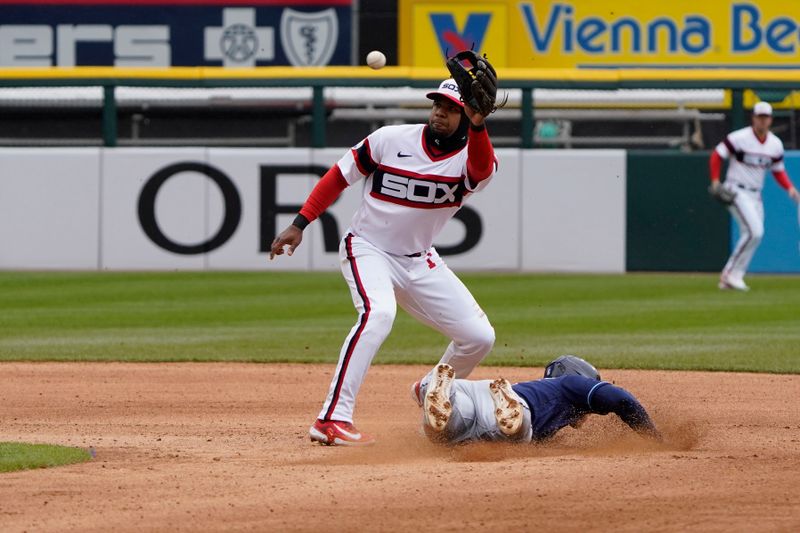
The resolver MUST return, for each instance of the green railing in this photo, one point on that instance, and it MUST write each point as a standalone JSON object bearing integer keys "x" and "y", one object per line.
{"x": 319, "y": 78}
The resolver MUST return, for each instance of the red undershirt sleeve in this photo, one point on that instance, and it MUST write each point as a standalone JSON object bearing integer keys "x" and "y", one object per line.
{"x": 783, "y": 179}
{"x": 325, "y": 192}
{"x": 715, "y": 165}
{"x": 480, "y": 154}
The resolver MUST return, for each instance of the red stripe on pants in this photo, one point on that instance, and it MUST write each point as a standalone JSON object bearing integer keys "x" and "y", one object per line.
{"x": 363, "y": 323}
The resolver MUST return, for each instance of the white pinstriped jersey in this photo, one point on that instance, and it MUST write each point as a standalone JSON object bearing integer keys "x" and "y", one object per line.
{"x": 409, "y": 194}
{"x": 751, "y": 157}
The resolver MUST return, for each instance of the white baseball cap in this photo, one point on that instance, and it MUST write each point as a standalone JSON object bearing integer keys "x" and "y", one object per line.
{"x": 762, "y": 108}
{"x": 449, "y": 89}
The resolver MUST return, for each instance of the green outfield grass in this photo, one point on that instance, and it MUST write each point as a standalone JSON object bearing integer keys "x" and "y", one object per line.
{"x": 21, "y": 456}
{"x": 665, "y": 321}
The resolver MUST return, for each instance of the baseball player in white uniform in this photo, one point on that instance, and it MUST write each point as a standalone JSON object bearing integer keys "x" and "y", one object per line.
{"x": 415, "y": 178}
{"x": 752, "y": 151}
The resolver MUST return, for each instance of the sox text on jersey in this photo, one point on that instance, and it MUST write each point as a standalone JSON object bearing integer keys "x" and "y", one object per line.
{"x": 409, "y": 193}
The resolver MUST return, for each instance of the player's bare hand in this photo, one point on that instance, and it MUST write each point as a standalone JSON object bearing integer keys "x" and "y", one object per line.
{"x": 474, "y": 116}
{"x": 794, "y": 195}
{"x": 291, "y": 236}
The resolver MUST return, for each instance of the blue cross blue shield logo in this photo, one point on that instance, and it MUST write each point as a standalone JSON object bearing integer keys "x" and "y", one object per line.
{"x": 309, "y": 39}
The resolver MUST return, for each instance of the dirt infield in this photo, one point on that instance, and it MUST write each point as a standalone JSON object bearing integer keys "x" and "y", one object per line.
{"x": 200, "y": 447}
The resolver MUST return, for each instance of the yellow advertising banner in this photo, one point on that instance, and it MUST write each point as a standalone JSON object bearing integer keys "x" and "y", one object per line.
{"x": 592, "y": 34}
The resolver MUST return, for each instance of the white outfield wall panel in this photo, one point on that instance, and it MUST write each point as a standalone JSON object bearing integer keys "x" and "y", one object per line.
{"x": 250, "y": 170}
{"x": 573, "y": 215}
{"x": 49, "y": 208}
{"x": 219, "y": 208}
{"x": 180, "y": 208}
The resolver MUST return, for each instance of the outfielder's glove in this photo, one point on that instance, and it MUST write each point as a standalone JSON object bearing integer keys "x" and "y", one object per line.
{"x": 721, "y": 194}
{"x": 476, "y": 80}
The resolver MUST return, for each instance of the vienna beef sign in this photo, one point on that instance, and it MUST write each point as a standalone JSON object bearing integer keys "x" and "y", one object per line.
{"x": 607, "y": 33}
{"x": 153, "y": 33}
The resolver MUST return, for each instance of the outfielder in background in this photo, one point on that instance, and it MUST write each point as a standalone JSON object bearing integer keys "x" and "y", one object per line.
{"x": 416, "y": 178}
{"x": 755, "y": 150}
{"x": 461, "y": 410}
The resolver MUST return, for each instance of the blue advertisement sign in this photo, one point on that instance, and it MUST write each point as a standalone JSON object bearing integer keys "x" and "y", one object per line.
{"x": 147, "y": 34}
{"x": 779, "y": 251}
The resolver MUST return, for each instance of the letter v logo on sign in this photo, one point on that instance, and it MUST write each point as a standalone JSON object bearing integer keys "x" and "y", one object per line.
{"x": 450, "y": 39}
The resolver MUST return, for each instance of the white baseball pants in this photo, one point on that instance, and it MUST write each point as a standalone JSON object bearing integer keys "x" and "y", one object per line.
{"x": 748, "y": 210}
{"x": 427, "y": 289}
{"x": 473, "y": 416}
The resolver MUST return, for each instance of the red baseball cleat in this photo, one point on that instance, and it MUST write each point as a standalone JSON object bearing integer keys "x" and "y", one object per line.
{"x": 416, "y": 393}
{"x": 337, "y": 433}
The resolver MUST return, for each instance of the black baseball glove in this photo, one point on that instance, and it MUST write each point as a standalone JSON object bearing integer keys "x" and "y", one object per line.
{"x": 476, "y": 80}
{"x": 721, "y": 194}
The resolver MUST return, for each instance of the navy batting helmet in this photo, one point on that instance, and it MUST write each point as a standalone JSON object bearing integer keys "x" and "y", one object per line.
{"x": 571, "y": 365}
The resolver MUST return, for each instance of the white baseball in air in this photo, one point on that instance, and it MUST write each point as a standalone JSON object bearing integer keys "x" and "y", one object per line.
{"x": 376, "y": 59}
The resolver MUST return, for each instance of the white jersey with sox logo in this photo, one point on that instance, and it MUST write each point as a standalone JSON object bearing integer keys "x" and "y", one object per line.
{"x": 750, "y": 158}
{"x": 410, "y": 193}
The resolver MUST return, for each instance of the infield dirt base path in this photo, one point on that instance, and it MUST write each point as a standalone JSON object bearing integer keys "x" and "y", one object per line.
{"x": 204, "y": 447}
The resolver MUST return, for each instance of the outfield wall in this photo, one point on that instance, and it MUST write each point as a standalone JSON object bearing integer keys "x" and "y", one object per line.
{"x": 219, "y": 209}
{"x": 672, "y": 223}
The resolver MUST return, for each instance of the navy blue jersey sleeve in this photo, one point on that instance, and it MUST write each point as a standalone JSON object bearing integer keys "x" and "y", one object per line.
{"x": 607, "y": 398}
{"x": 580, "y": 390}
{"x": 558, "y": 402}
